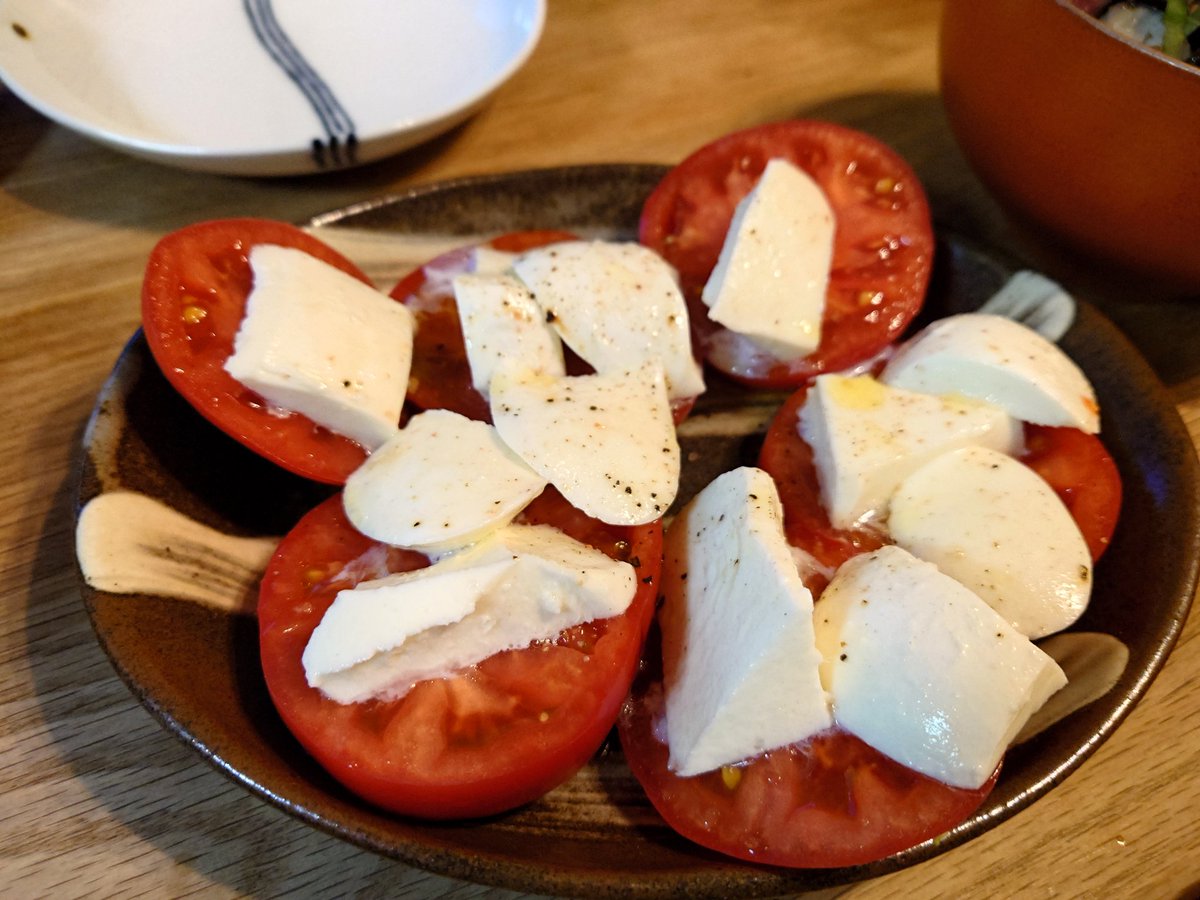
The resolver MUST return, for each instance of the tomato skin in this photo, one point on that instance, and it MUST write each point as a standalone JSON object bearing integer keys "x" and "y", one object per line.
{"x": 193, "y": 300}
{"x": 441, "y": 374}
{"x": 486, "y": 740}
{"x": 829, "y": 801}
{"x": 883, "y": 241}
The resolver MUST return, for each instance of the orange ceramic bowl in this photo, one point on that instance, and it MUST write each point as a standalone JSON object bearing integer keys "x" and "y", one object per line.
{"x": 1088, "y": 137}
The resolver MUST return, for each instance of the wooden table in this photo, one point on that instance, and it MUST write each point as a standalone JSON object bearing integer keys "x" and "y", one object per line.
{"x": 98, "y": 800}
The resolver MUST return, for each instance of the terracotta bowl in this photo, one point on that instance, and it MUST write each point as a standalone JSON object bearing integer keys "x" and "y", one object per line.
{"x": 1091, "y": 139}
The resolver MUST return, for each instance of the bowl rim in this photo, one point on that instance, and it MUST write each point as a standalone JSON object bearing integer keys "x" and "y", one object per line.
{"x": 1185, "y": 69}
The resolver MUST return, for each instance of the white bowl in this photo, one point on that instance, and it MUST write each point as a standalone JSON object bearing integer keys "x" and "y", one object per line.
{"x": 194, "y": 83}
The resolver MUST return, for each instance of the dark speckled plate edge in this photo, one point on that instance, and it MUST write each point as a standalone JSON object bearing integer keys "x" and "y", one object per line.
{"x": 1151, "y": 446}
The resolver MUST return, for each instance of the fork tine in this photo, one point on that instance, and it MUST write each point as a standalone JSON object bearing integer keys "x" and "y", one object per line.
{"x": 1035, "y": 301}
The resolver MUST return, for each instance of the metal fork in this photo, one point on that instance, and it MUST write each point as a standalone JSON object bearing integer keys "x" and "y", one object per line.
{"x": 1035, "y": 301}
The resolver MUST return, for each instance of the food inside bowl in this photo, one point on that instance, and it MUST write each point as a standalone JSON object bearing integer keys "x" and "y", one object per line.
{"x": 1172, "y": 26}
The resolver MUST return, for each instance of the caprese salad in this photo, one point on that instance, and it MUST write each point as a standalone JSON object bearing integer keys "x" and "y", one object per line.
{"x": 847, "y": 629}
{"x": 844, "y": 645}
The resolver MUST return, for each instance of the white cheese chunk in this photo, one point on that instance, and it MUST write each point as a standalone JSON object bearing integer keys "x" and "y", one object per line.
{"x": 607, "y": 442}
{"x": 994, "y": 525}
{"x": 319, "y": 342}
{"x": 618, "y": 305}
{"x": 739, "y": 657}
{"x": 522, "y": 584}
{"x": 867, "y": 437}
{"x": 1001, "y": 362}
{"x": 442, "y": 482}
{"x": 923, "y": 670}
{"x": 501, "y": 322}
{"x": 770, "y": 280}
{"x": 487, "y": 261}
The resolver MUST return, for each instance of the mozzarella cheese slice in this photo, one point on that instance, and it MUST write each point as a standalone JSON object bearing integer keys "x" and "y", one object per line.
{"x": 994, "y": 525}
{"x": 607, "y": 442}
{"x": 487, "y": 261}
{"x": 500, "y": 322}
{"x": 739, "y": 657}
{"x": 771, "y": 277}
{"x": 319, "y": 342}
{"x": 442, "y": 482}
{"x": 867, "y": 437}
{"x": 618, "y": 305}
{"x": 923, "y": 670}
{"x": 1001, "y": 362}
{"x": 524, "y": 583}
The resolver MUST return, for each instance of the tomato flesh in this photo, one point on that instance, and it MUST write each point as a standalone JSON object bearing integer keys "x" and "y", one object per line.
{"x": 789, "y": 460}
{"x": 829, "y": 801}
{"x": 882, "y": 251}
{"x": 1080, "y": 470}
{"x": 441, "y": 372}
{"x": 193, "y": 301}
{"x": 1075, "y": 464}
{"x": 485, "y": 740}
{"x": 833, "y": 800}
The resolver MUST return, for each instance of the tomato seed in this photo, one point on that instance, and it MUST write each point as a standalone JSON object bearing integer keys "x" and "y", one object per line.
{"x": 193, "y": 315}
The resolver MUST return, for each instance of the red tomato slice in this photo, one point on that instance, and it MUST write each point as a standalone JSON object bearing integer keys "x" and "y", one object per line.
{"x": 789, "y": 460}
{"x": 491, "y": 738}
{"x": 1083, "y": 474}
{"x": 829, "y": 801}
{"x": 441, "y": 374}
{"x": 193, "y": 300}
{"x": 1076, "y": 465}
{"x": 833, "y": 800}
{"x": 882, "y": 252}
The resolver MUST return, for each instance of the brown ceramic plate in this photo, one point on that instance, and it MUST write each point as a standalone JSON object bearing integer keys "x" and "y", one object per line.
{"x": 197, "y": 669}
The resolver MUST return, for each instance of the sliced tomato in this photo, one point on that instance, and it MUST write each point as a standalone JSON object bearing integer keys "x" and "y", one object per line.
{"x": 193, "y": 300}
{"x": 833, "y": 800}
{"x": 1076, "y": 465}
{"x": 829, "y": 801}
{"x": 789, "y": 460}
{"x": 882, "y": 252}
{"x": 441, "y": 374}
{"x": 496, "y": 735}
{"x": 1083, "y": 474}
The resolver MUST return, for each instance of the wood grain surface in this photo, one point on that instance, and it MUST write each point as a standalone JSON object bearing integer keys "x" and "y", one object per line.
{"x": 98, "y": 800}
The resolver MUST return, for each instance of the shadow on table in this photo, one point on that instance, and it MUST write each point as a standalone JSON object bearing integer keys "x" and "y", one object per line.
{"x": 92, "y": 182}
